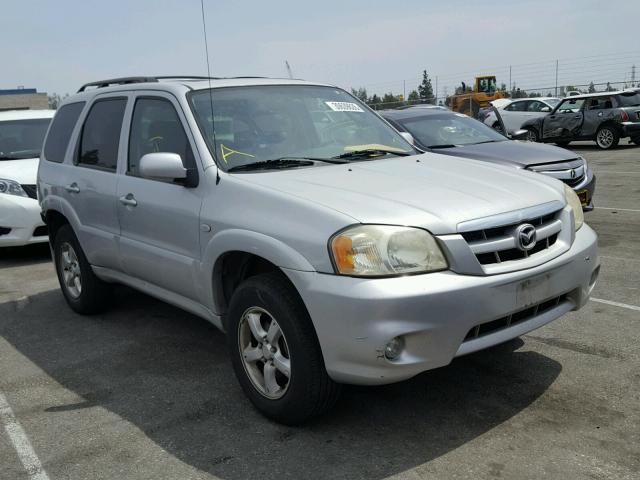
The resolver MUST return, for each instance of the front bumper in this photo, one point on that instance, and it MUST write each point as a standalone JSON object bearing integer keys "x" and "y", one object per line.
{"x": 21, "y": 216}
{"x": 355, "y": 317}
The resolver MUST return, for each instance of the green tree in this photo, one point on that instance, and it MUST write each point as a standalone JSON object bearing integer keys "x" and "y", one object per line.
{"x": 425, "y": 90}
{"x": 609, "y": 87}
{"x": 414, "y": 96}
{"x": 392, "y": 101}
{"x": 592, "y": 88}
{"x": 374, "y": 101}
{"x": 360, "y": 93}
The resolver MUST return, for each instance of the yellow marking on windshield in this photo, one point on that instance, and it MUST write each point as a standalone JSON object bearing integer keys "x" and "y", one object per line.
{"x": 227, "y": 152}
{"x": 372, "y": 146}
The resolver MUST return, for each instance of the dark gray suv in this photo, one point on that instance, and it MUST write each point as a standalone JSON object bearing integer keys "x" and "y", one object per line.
{"x": 602, "y": 117}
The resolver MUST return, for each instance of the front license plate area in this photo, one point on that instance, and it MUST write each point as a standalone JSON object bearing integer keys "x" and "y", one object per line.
{"x": 533, "y": 291}
{"x": 583, "y": 195}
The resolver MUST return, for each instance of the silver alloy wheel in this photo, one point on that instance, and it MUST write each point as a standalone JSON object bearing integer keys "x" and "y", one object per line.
{"x": 605, "y": 138}
{"x": 71, "y": 273}
{"x": 265, "y": 353}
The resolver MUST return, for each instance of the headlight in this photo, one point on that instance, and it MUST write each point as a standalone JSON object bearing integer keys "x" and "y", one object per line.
{"x": 574, "y": 202}
{"x": 11, "y": 188}
{"x": 385, "y": 250}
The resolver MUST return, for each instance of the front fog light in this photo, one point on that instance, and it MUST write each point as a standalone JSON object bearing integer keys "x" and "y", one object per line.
{"x": 394, "y": 348}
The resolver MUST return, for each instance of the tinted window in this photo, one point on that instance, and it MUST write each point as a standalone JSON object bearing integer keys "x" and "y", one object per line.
{"x": 101, "y": 134}
{"x": 571, "y": 105}
{"x": 629, "y": 99}
{"x": 599, "y": 103}
{"x": 60, "y": 132}
{"x": 156, "y": 127}
{"x": 536, "y": 106}
{"x": 516, "y": 107}
{"x": 22, "y": 138}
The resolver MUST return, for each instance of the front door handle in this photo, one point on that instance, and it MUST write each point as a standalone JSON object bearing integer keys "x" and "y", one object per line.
{"x": 577, "y": 116}
{"x": 129, "y": 200}
{"x": 73, "y": 188}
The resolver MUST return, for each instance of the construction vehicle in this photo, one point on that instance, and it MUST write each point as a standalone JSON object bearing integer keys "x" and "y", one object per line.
{"x": 470, "y": 102}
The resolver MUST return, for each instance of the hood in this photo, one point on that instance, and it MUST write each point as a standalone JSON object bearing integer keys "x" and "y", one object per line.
{"x": 24, "y": 171}
{"x": 432, "y": 191}
{"x": 513, "y": 152}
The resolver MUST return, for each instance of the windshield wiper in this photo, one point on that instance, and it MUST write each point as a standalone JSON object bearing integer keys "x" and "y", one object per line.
{"x": 282, "y": 162}
{"x": 487, "y": 141}
{"x": 372, "y": 152}
{"x": 444, "y": 145}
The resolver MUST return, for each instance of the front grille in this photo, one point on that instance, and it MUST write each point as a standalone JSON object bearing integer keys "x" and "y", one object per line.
{"x": 528, "y": 313}
{"x": 498, "y": 244}
{"x": 4, "y": 231}
{"x": 31, "y": 190}
{"x": 41, "y": 231}
{"x": 571, "y": 172}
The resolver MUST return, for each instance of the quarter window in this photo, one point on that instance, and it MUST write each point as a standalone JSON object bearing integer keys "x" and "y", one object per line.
{"x": 60, "y": 132}
{"x": 156, "y": 127}
{"x": 100, "y": 137}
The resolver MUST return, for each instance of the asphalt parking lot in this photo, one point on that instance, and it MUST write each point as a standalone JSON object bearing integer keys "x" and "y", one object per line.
{"x": 147, "y": 391}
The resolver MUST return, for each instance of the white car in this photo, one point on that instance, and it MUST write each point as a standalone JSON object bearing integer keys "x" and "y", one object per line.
{"x": 21, "y": 135}
{"x": 518, "y": 111}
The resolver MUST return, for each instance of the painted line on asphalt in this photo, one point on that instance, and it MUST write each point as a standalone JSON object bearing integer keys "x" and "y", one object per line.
{"x": 620, "y": 258}
{"x": 619, "y": 209}
{"x": 616, "y": 173}
{"x": 20, "y": 441}
{"x": 616, "y": 304}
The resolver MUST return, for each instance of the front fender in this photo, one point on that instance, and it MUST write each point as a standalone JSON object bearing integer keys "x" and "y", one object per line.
{"x": 275, "y": 251}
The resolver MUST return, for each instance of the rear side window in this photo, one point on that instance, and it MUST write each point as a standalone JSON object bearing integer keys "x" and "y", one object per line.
{"x": 516, "y": 107}
{"x": 60, "y": 131}
{"x": 100, "y": 136}
{"x": 156, "y": 127}
{"x": 629, "y": 99}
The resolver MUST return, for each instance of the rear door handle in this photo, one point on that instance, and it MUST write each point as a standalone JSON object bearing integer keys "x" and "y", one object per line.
{"x": 73, "y": 188}
{"x": 129, "y": 200}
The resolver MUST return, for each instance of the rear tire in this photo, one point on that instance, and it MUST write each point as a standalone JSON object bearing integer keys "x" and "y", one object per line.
{"x": 636, "y": 140}
{"x": 607, "y": 137}
{"x": 82, "y": 289}
{"x": 268, "y": 303}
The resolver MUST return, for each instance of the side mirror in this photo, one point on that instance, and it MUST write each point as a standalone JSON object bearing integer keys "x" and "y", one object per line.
{"x": 163, "y": 165}
{"x": 545, "y": 109}
{"x": 519, "y": 135}
{"x": 409, "y": 138}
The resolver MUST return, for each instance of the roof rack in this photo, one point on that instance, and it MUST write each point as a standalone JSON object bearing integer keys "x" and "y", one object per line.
{"x": 128, "y": 80}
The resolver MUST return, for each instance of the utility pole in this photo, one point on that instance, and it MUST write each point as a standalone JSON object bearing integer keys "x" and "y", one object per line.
{"x": 509, "y": 77}
{"x": 288, "y": 69}
{"x": 633, "y": 75}
{"x": 556, "y": 94}
{"x": 436, "y": 92}
{"x": 404, "y": 90}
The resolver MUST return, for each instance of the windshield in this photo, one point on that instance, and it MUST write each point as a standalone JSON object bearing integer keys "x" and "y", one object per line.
{"x": 260, "y": 123}
{"x": 22, "y": 138}
{"x": 629, "y": 99}
{"x": 552, "y": 101}
{"x": 449, "y": 129}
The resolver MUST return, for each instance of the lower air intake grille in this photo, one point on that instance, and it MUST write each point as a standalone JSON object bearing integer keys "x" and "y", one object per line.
{"x": 41, "y": 231}
{"x": 31, "y": 190}
{"x": 513, "y": 319}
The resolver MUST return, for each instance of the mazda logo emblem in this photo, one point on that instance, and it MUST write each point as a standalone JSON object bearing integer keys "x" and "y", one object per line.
{"x": 525, "y": 237}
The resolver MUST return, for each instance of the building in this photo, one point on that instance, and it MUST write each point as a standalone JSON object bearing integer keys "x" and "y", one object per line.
{"x": 23, "y": 99}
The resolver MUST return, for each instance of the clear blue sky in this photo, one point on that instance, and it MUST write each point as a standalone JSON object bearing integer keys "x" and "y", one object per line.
{"x": 56, "y": 46}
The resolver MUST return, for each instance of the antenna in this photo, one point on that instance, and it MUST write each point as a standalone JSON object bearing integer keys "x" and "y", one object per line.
{"x": 288, "y": 69}
{"x": 206, "y": 50}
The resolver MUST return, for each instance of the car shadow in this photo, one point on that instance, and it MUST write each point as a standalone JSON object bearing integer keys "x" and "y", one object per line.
{"x": 168, "y": 373}
{"x": 23, "y": 256}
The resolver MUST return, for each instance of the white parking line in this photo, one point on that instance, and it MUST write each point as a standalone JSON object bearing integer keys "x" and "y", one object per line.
{"x": 619, "y": 209}
{"x": 20, "y": 441}
{"x": 616, "y": 173}
{"x": 616, "y": 304}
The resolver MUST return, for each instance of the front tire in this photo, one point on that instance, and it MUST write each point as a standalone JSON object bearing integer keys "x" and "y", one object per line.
{"x": 275, "y": 352}
{"x": 607, "y": 137}
{"x": 84, "y": 292}
{"x": 532, "y": 135}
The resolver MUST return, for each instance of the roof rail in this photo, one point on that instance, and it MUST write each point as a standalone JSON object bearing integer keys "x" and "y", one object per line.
{"x": 117, "y": 81}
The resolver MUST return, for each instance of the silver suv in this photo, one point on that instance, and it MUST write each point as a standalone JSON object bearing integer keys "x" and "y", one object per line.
{"x": 295, "y": 219}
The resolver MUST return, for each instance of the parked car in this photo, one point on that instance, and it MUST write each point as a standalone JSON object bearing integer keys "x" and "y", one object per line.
{"x": 329, "y": 252}
{"x": 458, "y": 135}
{"x": 21, "y": 135}
{"x": 602, "y": 117}
{"x": 515, "y": 113}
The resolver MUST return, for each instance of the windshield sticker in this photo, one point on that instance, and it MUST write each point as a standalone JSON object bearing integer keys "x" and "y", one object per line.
{"x": 227, "y": 152}
{"x": 344, "y": 107}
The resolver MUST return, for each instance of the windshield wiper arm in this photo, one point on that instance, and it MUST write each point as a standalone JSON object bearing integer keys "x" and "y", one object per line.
{"x": 282, "y": 162}
{"x": 372, "y": 152}
{"x": 444, "y": 145}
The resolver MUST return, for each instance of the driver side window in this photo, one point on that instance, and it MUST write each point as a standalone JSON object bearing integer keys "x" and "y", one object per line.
{"x": 516, "y": 107}
{"x": 571, "y": 106}
{"x": 156, "y": 127}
